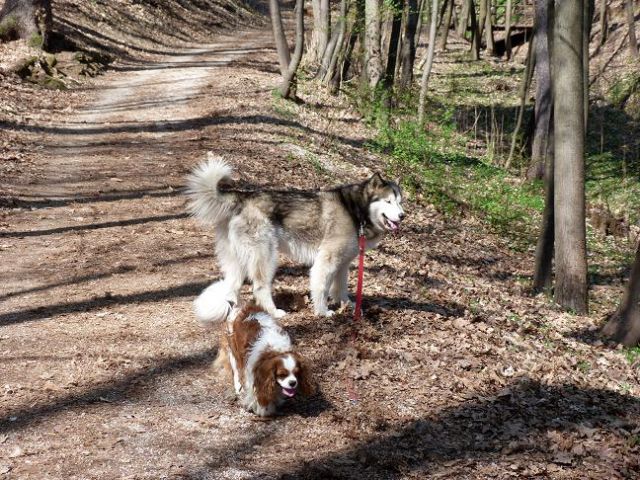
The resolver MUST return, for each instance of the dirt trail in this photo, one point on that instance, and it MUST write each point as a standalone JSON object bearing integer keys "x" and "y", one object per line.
{"x": 105, "y": 373}
{"x": 89, "y": 274}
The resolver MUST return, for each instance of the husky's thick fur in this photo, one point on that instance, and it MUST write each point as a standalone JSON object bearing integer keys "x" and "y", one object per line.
{"x": 316, "y": 228}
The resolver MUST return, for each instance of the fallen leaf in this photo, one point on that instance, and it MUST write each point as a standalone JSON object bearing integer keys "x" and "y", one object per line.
{"x": 16, "y": 452}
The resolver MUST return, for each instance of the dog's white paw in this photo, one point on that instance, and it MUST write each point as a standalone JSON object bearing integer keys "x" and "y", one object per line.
{"x": 328, "y": 313}
{"x": 279, "y": 313}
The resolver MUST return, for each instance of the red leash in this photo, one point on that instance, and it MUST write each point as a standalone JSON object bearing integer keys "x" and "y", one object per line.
{"x": 357, "y": 314}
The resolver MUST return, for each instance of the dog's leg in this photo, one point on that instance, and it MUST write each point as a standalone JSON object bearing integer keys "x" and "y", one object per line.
{"x": 232, "y": 267}
{"x": 321, "y": 275}
{"x": 261, "y": 273}
{"x": 237, "y": 385}
{"x": 340, "y": 289}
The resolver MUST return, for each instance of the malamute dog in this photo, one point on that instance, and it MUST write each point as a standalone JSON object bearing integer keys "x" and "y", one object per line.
{"x": 316, "y": 228}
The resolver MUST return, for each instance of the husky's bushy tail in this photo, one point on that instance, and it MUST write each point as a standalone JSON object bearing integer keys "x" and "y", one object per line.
{"x": 214, "y": 304}
{"x": 207, "y": 203}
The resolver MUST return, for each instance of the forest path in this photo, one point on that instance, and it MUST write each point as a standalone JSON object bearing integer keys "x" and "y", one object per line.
{"x": 105, "y": 374}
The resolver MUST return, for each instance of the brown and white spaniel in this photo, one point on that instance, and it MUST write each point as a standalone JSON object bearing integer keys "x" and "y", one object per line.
{"x": 265, "y": 368}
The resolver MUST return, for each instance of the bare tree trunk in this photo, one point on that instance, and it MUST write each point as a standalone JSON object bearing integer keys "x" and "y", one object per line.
{"x": 321, "y": 28}
{"x": 332, "y": 47}
{"x": 409, "y": 45}
{"x": 357, "y": 31}
{"x": 464, "y": 18}
{"x": 604, "y": 22}
{"x": 475, "y": 34}
{"x": 488, "y": 31}
{"x": 421, "y": 5}
{"x": 524, "y": 89}
{"x": 543, "y": 267}
{"x": 30, "y": 19}
{"x": 507, "y": 29}
{"x": 373, "y": 57}
{"x": 544, "y": 101}
{"x": 587, "y": 19}
{"x": 424, "y": 84}
{"x": 284, "y": 57}
{"x": 482, "y": 17}
{"x": 631, "y": 21}
{"x": 569, "y": 216}
{"x": 446, "y": 24}
{"x": 339, "y": 47}
{"x": 624, "y": 325}
{"x": 394, "y": 39}
{"x": 289, "y": 79}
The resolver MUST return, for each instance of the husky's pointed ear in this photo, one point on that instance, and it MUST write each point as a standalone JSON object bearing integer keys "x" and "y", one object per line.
{"x": 376, "y": 180}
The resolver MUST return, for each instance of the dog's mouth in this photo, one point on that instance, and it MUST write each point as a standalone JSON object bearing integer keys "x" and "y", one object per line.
{"x": 289, "y": 392}
{"x": 390, "y": 224}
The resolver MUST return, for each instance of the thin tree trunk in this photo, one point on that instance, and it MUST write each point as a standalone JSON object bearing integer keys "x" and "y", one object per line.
{"x": 569, "y": 198}
{"x": 482, "y": 17}
{"x": 373, "y": 57}
{"x": 409, "y": 44}
{"x": 284, "y": 57}
{"x": 32, "y": 19}
{"x": 329, "y": 51}
{"x": 543, "y": 267}
{"x": 339, "y": 47}
{"x": 394, "y": 38}
{"x": 446, "y": 24}
{"x": 357, "y": 31}
{"x": 604, "y": 22}
{"x": 544, "y": 100}
{"x": 421, "y": 5}
{"x": 312, "y": 49}
{"x": 464, "y": 18}
{"x": 624, "y": 325}
{"x": 475, "y": 34}
{"x": 524, "y": 89}
{"x": 289, "y": 79}
{"x": 427, "y": 69}
{"x": 325, "y": 28}
{"x": 507, "y": 29}
{"x": 587, "y": 19}
{"x": 488, "y": 31}
{"x": 631, "y": 21}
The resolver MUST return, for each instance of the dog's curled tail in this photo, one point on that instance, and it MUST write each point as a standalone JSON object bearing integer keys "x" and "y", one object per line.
{"x": 214, "y": 304}
{"x": 207, "y": 203}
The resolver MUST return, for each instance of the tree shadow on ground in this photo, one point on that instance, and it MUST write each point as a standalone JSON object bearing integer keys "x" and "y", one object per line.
{"x": 517, "y": 421}
{"x": 107, "y": 300}
{"x": 112, "y": 391}
{"x": 373, "y": 305}
{"x": 36, "y": 201}
{"x": 92, "y": 226}
{"x": 138, "y": 128}
{"x": 106, "y": 274}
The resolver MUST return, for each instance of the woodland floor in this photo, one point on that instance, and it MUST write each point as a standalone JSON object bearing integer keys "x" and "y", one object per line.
{"x": 455, "y": 371}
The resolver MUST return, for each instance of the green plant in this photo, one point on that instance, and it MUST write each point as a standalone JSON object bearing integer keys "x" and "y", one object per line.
{"x": 9, "y": 28}
{"x": 36, "y": 40}
{"x": 583, "y": 366}
{"x": 632, "y": 354}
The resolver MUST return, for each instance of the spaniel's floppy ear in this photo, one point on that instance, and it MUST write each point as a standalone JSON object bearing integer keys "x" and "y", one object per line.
{"x": 305, "y": 377}
{"x": 264, "y": 374}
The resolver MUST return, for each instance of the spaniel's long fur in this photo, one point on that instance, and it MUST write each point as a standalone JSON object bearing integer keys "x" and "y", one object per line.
{"x": 257, "y": 352}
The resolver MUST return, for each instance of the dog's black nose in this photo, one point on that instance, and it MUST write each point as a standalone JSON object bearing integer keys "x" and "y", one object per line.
{"x": 401, "y": 216}
{"x": 293, "y": 383}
